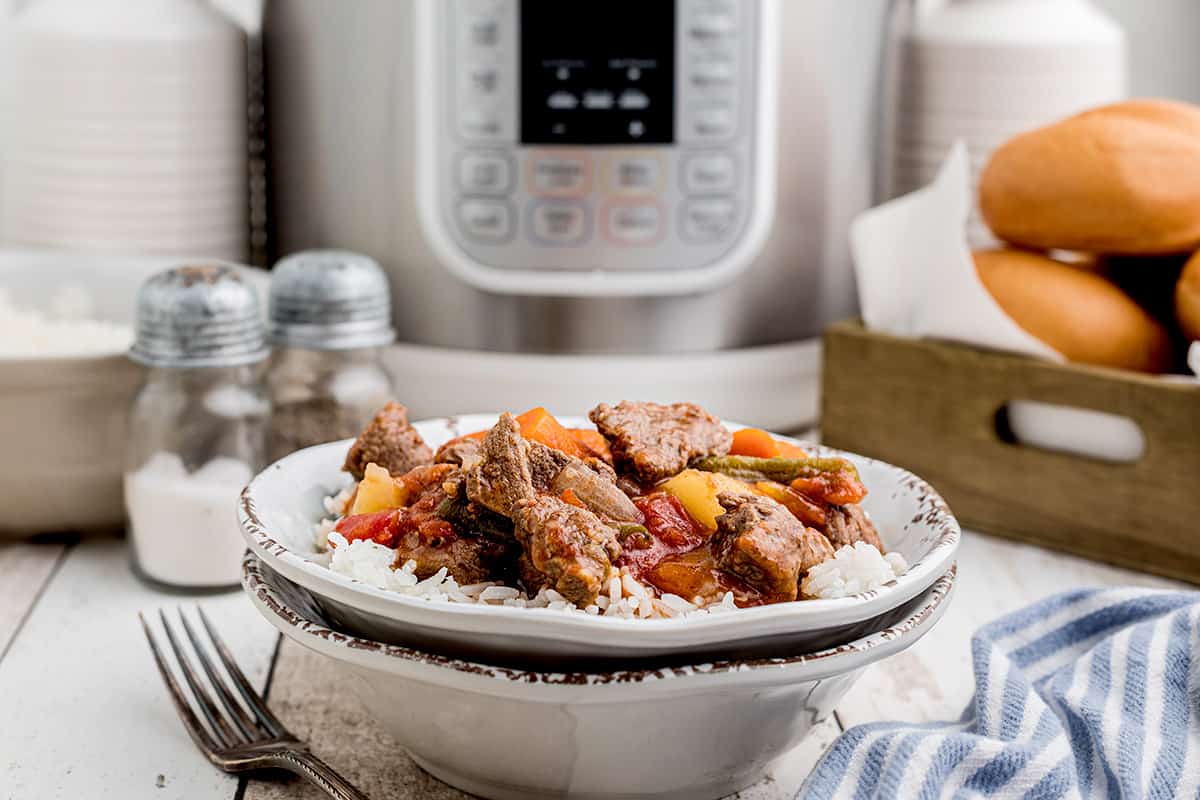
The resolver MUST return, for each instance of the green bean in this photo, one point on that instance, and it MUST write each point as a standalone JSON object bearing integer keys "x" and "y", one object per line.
{"x": 635, "y": 537}
{"x": 781, "y": 470}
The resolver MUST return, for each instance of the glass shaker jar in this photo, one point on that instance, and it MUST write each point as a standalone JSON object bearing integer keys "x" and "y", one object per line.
{"x": 197, "y": 427}
{"x": 330, "y": 319}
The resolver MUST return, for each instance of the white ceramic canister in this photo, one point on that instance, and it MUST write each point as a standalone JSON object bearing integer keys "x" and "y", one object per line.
{"x": 987, "y": 70}
{"x": 127, "y": 128}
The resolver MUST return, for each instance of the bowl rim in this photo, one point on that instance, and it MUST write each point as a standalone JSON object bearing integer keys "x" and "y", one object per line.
{"x": 296, "y": 625}
{"x": 817, "y": 613}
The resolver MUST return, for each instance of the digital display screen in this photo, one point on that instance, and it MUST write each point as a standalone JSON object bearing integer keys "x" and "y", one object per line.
{"x": 597, "y": 73}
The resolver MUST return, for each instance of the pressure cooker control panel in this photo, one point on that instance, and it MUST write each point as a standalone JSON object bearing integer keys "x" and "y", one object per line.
{"x": 610, "y": 146}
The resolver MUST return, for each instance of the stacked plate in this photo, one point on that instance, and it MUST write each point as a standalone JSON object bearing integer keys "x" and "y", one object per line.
{"x": 127, "y": 129}
{"x": 987, "y": 71}
{"x": 509, "y": 702}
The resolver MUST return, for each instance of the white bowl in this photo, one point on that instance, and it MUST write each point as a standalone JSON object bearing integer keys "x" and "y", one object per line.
{"x": 63, "y": 418}
{"x": 281, "y": 506}
{"x": 693, "y": 732}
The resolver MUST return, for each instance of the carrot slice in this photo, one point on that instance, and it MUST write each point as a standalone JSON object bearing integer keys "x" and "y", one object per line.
{"x": 760, "y": 444}
{"x": 789, "y": 450}
{"x": 754, "y": 442}
{"x": 569, "y": 496}
{"x": 539, "y": 425}
{"x": 593, "y": 441}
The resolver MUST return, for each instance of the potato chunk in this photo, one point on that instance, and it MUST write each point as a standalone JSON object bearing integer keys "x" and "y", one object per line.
{"x": 378, "y": 491}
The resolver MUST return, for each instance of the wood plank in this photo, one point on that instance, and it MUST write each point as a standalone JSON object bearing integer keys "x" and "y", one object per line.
{"x": 932, "y": 407}
{"x": 85, "y": 712}
{"x": 308, "y": 695}
{"x": 24, "y": 569}
{"x": 934, "y": 679}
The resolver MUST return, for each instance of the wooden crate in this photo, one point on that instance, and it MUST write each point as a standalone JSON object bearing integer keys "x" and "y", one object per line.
{"x": 932, "y": 407}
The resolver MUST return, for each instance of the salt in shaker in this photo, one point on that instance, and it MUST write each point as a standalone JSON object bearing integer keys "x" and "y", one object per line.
{"x": 330, "y": 319}
{"x": 197, "y": 426}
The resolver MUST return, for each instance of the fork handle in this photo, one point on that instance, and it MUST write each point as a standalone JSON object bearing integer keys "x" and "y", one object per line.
{"x": 318, "y": 773}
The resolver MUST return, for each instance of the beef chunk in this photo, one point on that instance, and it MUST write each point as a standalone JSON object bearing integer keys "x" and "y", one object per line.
{"x": 760, "y": 542}
{"x": 502, "y": 476}
{"x": 656, "y": 441}
{"x": 849, "y": 524}
{"x": 531, "y": 579}
{"x": 467, "y": 560}
{"x": 511, "y": 468}
{"x": 390, "y": 442}
{"x": 569, "y": 545}
{"x": 458, "y": 451}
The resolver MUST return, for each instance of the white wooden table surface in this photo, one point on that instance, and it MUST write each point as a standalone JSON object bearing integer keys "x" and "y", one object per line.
{"x": 83, "y": 714}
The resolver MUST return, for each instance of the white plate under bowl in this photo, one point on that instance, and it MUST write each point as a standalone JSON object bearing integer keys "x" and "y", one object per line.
{"x": 281, "y": 506}
{"x": 696, "y": 732}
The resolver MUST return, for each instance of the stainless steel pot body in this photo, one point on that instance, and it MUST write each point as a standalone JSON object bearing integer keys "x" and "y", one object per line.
{"x": 341, "y": 106}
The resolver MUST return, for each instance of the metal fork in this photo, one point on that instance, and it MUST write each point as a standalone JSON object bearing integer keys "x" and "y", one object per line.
{"x": 237, "y": 740}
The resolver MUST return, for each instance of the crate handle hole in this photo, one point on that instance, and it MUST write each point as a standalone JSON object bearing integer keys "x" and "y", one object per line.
{"x": 1077, "y": 431}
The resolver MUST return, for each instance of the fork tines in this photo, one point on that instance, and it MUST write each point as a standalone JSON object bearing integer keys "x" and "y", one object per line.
{"x": 242, "y": 723}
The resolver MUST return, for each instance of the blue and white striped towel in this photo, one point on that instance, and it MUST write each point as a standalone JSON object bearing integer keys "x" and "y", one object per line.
{"x": 1092, "y": 693}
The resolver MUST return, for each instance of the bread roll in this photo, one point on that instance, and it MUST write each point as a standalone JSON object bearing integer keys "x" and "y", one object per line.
{"x": 1187, "y": 299}
{"x": 1123, "y": 179}
{"x": 1078, "y": 313}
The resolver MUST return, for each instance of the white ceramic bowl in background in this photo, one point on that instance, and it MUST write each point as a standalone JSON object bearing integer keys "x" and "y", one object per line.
{"x": 692, "y": 733}
{"x": 63, "y": 418}
{"x": 281, "y": 506}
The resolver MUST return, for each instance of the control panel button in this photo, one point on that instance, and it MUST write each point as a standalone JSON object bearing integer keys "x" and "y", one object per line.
{"x": 483, "y": 31}
{"x": 713, "y": 122}
{"x": 478, "y": 123}
{"x": 633, "y": 100}
{"x": 713, "y": 73}
{"x": 481, "y": 80}
{"x": 597, "y": 101}
{"x": 560, "y": 223}
{"x": 560, "y": 176}
{"x": 636, "y": 175}
{"x": 635, "y": 224}
{"x": 484, "y": 173}
{"x": 562, "y": 101}
{"x": 709, "y": 174}
{"x": 708, "y": 220}
{"x": 488, "y": 221}
{"x": 715, "y": 24}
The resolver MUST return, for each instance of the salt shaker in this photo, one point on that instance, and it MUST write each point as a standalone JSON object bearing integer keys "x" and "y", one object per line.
{"x": 330, "y": 319}
{"x": 198, "y": 425}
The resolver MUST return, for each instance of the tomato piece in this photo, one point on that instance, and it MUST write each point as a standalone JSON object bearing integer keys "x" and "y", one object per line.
{"x": 671, "y": 532}
{"x": 808, "y": 511}
{"x": 839, "y": 488}
{"x": 381, "y": 527}
{"x": 668, "y": 521}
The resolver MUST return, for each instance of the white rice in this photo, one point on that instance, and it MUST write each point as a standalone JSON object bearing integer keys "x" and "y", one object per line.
{"x": 67, "y": 328}
{"x": 853, "y": 569}
{"x": 335, "y": 507}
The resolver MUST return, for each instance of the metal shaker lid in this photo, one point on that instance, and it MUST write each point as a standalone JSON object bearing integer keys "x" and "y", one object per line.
{"x": 330, "y": 300}
{"x": 206, "y": 315}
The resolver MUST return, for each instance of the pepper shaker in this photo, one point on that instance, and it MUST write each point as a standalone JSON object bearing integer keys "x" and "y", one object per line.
{"x": 197, "y": 427}
{"x": 330, "y": 320}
